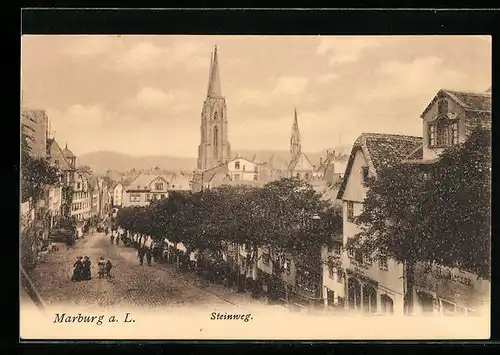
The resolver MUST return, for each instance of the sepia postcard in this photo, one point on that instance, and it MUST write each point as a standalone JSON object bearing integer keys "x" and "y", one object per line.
{"x": 255, "y": 187}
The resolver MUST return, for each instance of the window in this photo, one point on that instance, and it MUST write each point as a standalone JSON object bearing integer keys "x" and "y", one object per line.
{"x": 306, "y": 176}
{"x": 382, "y": 262}
{"x": 367, "y": 259}
{"x": 340, "y": 275}
{"x": 255, "y": 177}
{"x": 255, "y": 169}
{"x": 237, "y": 165}
{"x": 350, "y": 211}
{"x": 350, "y": 252}
{"x": 147, "y": 197}
{"x": 336, "y": 249}
{"x": 448, "y": 307}
{"x": 331, "y": 271}
{"x": 236, "y": 177}
{"x": 330, "y": 296}
{"x": 216, "y": 138}
{"x": 365, "y": 174}
{"x": 78, "y": 185}
{"x": 135, "y": 197}
{"x": 442, "y": 132}
{"x": 163, "y": 196}
{"x": 432, "y": 135}
{"x": 442, "y": 107}
{"x": 358, "y": 257}
{"x": 287, "y": 265}
{"x": 159, "y": 186}
{"x": 266, "y": 258}
{"x": 454, "y": 133}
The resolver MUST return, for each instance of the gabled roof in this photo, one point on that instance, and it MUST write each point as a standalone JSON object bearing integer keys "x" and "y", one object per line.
{"x": 469, "y": 101}
{"x": 380, "y": 150}
{"x": 143, "y": 180}
{"x": 237, "y": 157}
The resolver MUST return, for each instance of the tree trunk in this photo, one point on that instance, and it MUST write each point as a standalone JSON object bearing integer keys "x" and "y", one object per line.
{"x": 409, "y": 273}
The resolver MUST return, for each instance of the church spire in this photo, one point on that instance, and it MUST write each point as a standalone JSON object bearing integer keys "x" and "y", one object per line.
{"x": 214, "y": 87}
{"x": 295, "y": 147}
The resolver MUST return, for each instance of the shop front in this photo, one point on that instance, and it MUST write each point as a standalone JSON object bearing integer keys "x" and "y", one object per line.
{"x": 368, "y": 296}
{"x": 449, "y": 291}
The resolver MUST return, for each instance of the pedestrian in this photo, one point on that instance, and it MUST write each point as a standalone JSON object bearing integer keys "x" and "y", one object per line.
{"x": 77, "y": 270}
{"x": 101, "y": 265}
{"x": 118, "y": 238}
{"x": 142, "y": 252}
{"x": 109, "y": 266}
{"x": 149, "y": 256}
{"x": 112, "y": 238}
{"x": 86, "y": 273}
{"x": 106, "y": 230}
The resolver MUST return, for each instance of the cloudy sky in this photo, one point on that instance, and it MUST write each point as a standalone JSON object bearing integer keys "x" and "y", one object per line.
{"x": 143, "y": 95}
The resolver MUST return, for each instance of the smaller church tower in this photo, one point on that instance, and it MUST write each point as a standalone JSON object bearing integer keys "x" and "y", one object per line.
{"x": 295, "y": 147}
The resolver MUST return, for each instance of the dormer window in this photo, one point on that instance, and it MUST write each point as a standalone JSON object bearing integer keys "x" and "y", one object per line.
{"x": 237, "y": 165}
{"x": 159, "y": 186}
{"x": 365, "y": 173}
{"x": 442, "y": 132}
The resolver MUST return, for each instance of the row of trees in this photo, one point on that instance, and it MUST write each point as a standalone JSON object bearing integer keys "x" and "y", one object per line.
{"x": 287, "y": 215}
{"x": 439, "y": 214}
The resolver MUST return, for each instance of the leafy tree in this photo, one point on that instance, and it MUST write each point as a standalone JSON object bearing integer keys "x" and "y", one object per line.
{"x": 437, "y": 214}
{"x": 461, "y": 205}
{"x": 35, "y": 173}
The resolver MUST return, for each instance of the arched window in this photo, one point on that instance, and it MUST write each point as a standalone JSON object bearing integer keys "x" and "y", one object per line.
{"x": 216, "y": 138}
{"x": 442, "y": 132}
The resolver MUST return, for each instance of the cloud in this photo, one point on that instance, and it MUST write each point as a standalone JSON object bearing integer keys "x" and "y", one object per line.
{"x": 326, "y": 78}
{"x": 282, "y": 88}
{"x": 89, "y": 46}
{"x": 149, "y": 56}
{"x": 413, "y": 79}
{"x": 346, "y": 49}
{"x": 153, "y": 98}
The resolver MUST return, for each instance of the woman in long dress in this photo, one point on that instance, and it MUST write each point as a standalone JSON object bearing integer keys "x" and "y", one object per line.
{"x": 77, "y": 270}
{"x": 86, "y": 273}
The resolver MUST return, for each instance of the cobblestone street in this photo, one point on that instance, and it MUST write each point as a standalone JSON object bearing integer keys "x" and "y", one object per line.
{"x": 131, "y": 285}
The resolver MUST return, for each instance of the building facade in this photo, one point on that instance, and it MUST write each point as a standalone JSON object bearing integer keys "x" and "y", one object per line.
{"x": 448, "y": 120}
{"x": 144, "y": 189}
{"x": 117, "y": 194}
{"x": 360, "y": 282}
{"x": 35, "y": 126}
{"x": 214, "y": 148}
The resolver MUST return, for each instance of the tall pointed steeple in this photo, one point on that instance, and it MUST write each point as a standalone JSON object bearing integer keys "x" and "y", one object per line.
{"x": 214, "y": 87}
{"x": 295, "y": 147}
{"x": 214, "y": 147}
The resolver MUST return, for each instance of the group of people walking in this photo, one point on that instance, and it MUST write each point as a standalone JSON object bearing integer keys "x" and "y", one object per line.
{"x": 114, "y": 237}
{"x": 145, "y": 252}
{"x": 82, "y": 269}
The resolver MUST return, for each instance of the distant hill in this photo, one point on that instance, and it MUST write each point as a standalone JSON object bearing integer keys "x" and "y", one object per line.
{"x": 102, "y": 161}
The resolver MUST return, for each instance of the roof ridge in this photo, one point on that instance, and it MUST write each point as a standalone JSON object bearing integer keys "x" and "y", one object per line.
{"x": 391, "y": 135}
{"x": 478, "y": 93}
